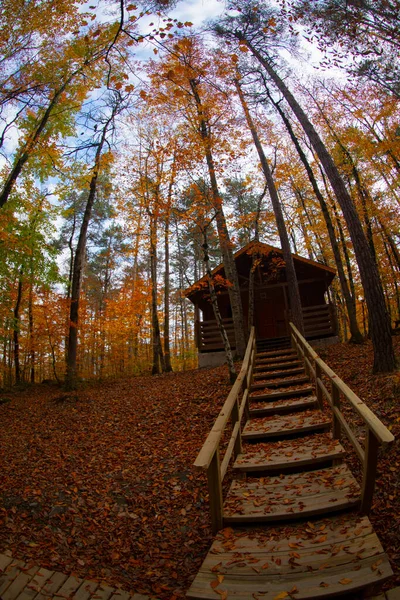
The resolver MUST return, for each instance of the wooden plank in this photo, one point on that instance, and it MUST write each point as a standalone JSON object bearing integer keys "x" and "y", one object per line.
{"x": 86, "y": 590}
{"x": 19, "y": 583}
{"x": 276, "y": 395}
{"x": 283, "y": 406}
{"x": 120, "y": 595}
{"x": 343, "y": 554}
{"x": 274, "y": 383}
{"x": 281, "y": 456}
{"x": 52, "y": 586}
{"x": 69, "y": 587}
{"x": 271, "y": 500}
{"x": 277, "y": 373}
{"x": 9, "y": 574}
{"x": 103, "y": 592}
{"x": 36, "y": 584}
{"x": 276, "y": 426}
{"x": 4, "y": 561}
{"x": 275, "y": 353}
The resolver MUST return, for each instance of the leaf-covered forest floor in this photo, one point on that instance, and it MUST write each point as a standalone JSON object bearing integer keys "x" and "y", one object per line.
{"x": 100, "y": 483}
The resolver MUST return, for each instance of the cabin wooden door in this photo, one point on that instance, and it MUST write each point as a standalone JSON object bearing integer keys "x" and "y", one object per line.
{"x": 269, "y": 312}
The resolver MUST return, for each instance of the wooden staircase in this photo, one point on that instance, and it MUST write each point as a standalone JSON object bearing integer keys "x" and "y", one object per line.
{"x": 290, "y": 525}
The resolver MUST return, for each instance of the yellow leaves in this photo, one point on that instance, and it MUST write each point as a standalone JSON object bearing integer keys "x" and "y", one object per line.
{"x": 281, "y": 596}
{"x": 345, "y": 581}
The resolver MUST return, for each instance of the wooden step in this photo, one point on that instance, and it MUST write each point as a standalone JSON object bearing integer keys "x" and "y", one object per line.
{"x": 274, "y": 366}
{"x": 266, "y": 383}
{"x": 288, "y": 497}
{"x": 279, "y": 407}
{"x": 263, "y": 394}
{"x": 288, "y": 454}
{"x": 274, "y": 353}
{"x": 331, "y": 557}
{"x": 277, "y": 426}
{"x": 278, "y": 373}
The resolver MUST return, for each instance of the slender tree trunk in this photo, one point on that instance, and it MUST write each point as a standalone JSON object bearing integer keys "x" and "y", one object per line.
{"x": 167, "y": 349}
{"x": 223, "y": 234}
{"x": 31, "y": 333}
{"x": 294, "y": 294}
{"x": 390, "y": 241}
{"x": 80, "y": 252}
{"x": 158, "y": 356}
{"x": 217, "y": 314}
{"x": 16, "y": 327}
{"x": 394, "y": 275}
{"x": 255, "y": 261}
{"x": 384, "y": 358}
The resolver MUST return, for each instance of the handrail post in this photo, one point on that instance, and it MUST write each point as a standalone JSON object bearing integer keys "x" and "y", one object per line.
{"x": 215, "y": 493}
{"x": 318, "y": 376}
{"x": 235, "y": 418}
{"x": 369, "y": 474}
{"x": 335, "y": 395}
{"x": 249, "y": 378}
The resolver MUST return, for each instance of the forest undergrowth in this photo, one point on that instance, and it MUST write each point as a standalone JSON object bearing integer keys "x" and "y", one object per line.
{"x": 100, "y": 483}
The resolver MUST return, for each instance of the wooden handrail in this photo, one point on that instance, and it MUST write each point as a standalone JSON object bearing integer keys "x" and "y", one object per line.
{"x": 234, "y": 408}
{"x": 377, "y": 434}
{"x": 210, "y": 446}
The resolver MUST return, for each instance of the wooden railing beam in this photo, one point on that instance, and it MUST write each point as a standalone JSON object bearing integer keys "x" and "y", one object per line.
{"x": 376, "y": 433}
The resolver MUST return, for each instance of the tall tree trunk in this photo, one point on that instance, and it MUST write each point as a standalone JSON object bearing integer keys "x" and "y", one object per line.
{"x": 394, "y": 275}
{"x": 390, "y": 241}
{"x": 31, "y": 333}
{"x": 16, "y": 327}
{"x": 158, "y": 356}
{"x": 356, "y": 336}
{"x": 71, "y": 378}
{"x": 294, "y": 294}
{"x": 384, "y": 358}
{"x": 223, "y": 234}
{"x": 167, "y": 349}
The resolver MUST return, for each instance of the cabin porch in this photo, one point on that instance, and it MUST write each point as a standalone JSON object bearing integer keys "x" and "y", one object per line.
{"x": 319, "y": 322}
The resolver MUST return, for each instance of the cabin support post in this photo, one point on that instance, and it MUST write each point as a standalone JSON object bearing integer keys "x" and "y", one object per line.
{"x": 369, "y": 474}
{"x": 215, "y": 493}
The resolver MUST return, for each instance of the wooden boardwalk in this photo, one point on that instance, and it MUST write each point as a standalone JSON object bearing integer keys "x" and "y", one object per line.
{"x": 22, "y": 581}
{"x": 294, "y": 522}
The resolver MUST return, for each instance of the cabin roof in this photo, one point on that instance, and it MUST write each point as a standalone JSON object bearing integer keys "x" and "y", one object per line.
{"x": 265, "y": 249}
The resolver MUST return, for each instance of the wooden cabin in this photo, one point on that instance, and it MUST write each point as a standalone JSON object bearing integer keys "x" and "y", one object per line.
{"x": 271, "y": 301}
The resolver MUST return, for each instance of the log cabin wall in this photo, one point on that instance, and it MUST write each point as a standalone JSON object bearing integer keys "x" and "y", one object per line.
{"x": 272, "y": 310}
